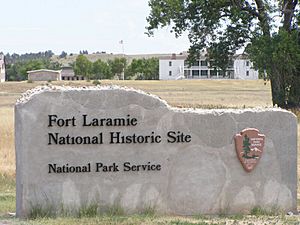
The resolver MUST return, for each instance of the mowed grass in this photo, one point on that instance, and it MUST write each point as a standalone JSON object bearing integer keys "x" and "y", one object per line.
{"x": 162, "y": 220}
{"x": 192, "y": 93}
{"x": 7, "y": 153}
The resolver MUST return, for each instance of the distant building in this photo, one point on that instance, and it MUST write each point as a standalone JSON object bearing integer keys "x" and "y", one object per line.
{"x": 67, "y": 73}
{"x": 175, "y": 67}
{"x": 2, "y": 68}
{"x": 44, "y": 75}
{"x": 243, "y": 68}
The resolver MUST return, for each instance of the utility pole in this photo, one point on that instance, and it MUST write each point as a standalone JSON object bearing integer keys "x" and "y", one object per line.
{"x": 123, "y": 72}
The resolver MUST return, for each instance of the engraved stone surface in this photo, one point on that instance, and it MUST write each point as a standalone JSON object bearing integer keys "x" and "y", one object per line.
{"x": 114, "y": 146}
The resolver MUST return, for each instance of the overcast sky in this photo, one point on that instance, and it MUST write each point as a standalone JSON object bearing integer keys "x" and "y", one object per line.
{"x": 74, "y": 25}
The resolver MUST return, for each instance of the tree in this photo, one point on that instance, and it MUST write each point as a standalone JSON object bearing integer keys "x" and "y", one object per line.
{"x": 63, "y": 54}
{"x": 83, "y": 66}
{"x": 118, "y": 66}
{"x": 18, "y": 71}
{"x": 101, "y": 70}
{"x": 224, "y": 26}
{"x": 18, "y": 65}
{"x": 14, "y": 58}
{"x": 83, "y": 52}
{"x": 246, "y": 147}
{"x": 151, "y": 71}
{"x": 143, "y": 69}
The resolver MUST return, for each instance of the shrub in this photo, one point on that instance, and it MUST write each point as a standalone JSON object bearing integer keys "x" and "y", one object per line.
{"x": 96, "y": 82}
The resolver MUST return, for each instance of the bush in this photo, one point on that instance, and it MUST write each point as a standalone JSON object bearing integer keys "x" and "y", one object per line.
{"x": 96, "y": 82}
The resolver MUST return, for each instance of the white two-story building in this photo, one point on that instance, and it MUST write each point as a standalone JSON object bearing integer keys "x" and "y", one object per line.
{"x": 2, "y": 68}
{"x": 176, "y": 67}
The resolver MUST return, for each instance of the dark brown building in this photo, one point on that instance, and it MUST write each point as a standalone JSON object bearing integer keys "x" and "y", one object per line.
{"x": 67, "y": 73}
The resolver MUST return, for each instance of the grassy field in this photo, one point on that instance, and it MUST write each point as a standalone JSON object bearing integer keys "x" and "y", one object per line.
{"x": 195, "y": 93}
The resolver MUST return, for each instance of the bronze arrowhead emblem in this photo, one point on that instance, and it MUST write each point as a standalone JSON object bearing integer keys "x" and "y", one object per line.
{"x": 249, "y": 146}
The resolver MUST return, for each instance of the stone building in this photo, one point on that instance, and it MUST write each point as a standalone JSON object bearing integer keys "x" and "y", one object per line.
{"x": 67, "y": 73}
{"x": 2, "y": 68}
{"x": 44, "y": 75}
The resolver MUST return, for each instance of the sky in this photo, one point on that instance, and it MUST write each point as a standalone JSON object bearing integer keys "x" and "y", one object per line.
{"x": 74, "y": 25}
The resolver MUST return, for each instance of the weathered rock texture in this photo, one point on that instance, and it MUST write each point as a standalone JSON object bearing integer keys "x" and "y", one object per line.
{"x": 203, "y": 176}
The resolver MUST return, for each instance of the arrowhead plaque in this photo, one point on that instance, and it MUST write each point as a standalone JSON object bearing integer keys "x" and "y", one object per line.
{"x": 249, "y": 145}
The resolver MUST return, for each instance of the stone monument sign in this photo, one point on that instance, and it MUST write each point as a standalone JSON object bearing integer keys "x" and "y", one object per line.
{"x": 114, "y": 146}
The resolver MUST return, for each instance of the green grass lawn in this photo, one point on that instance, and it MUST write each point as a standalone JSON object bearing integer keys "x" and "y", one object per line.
{"x": 7, "y": 206}
{"x": 7, "y": 195}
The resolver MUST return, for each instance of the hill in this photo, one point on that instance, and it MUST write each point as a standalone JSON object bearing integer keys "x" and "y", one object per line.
{"x": 104, "y": 57}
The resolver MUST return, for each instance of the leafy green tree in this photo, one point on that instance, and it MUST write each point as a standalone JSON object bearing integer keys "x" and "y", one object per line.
{"x": 101, "y": 70}
{"x": 280, "y": 57}
{"x": 52, "y": 65}
{"x": 135, "y": 69}
{"x": 150, "y": 70}
{"x": 84, "y": 52}
{"x": 14, "y": 58}
{"x": 224, "y": 26}
{"x": 12, "y": 73}
{"x": 18, "y": 71}
{"x": 118, "y": 66}
{"x": 143, "y": 69}
{"x": 83, "y": 66}
{"x": 63, "y": 54}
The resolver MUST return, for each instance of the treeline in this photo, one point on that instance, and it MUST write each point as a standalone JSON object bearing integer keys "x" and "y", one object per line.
{"x": 118, "y": 68}
{"x": 17, "y": 65}
{"x": 18, "y": 70}
{"x": 14, "y": 58}
{"x": 139, "y": 69}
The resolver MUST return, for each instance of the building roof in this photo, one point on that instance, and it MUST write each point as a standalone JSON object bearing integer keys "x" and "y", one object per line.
{"x": 44, "y": 70}
{"x": 241, "y": 56}
{"x": 184, "y": 56}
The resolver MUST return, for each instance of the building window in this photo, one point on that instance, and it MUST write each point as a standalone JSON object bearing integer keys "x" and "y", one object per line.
{"x": 196, "y": 63}
{"x": 221, "y": 73}
{"x": 187, "y": 73}
{"x": 170, "y": 73}
{"x": 247, "y": 63}
{"x": 247, "y": 73}
{"x": 203, "y": 63}
{"x": 213, "y": 73}
{"x": 195, "y": 73}
{"x": 204, "y": 73}
{"x": 231, "y": 73}
{"x": 170, "y": 63}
